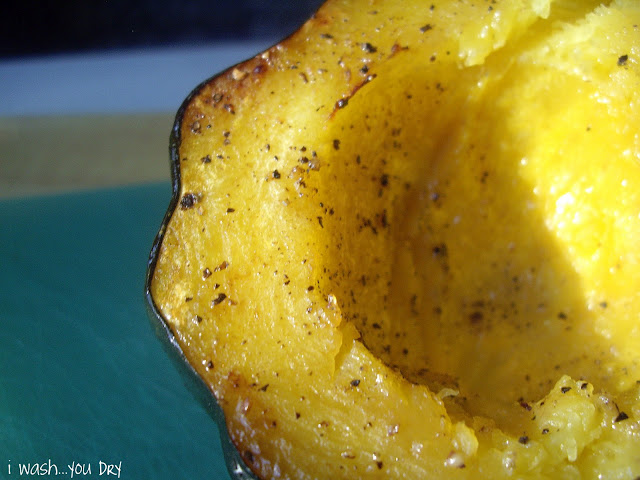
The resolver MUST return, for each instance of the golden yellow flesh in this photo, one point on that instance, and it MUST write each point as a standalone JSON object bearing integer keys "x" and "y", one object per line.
{"x": 407, "y": 243}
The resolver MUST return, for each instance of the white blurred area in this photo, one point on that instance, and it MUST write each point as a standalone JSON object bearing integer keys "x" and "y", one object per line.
{"x": 124, "y": 82}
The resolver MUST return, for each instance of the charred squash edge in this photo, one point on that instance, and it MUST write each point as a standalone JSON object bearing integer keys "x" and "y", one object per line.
{"x": 192, "y": 380}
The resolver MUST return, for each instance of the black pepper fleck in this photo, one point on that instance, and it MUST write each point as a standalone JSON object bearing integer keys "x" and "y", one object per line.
{"x": 220, "y": 298}
{"x": 440, "y": 250}
{"x": 476, "y": 317}
{"x": 525, "y": 405}
{"x": 222, "y": 266}
{"x": 565, "y": 389}
{"x": 622, "y": 60}
{"x": 188, "y": 200}
{"x": 621, "y": 416}
{"x": 355, "y": 382}
{"x": 343, "y": 102}
{"x": 367, "y": 47}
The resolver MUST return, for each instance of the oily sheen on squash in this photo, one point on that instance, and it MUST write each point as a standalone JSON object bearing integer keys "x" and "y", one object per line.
{"x": 404, "y": 243}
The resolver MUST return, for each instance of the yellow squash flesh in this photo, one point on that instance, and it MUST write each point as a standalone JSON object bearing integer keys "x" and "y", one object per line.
{"x": 406, "y": 243}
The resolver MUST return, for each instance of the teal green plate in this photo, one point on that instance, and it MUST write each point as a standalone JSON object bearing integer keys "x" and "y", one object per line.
{"x": 83, "y": 377}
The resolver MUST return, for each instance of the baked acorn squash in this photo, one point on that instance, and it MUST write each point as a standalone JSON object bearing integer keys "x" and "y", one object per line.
{"x": 404, "y": 243}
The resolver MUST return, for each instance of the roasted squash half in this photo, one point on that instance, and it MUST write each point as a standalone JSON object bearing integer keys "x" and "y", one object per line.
{"x": 405, "y": 243}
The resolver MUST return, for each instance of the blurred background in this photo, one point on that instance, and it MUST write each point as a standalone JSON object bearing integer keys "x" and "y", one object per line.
{"x": 55, "y": 26}
{"x": 88, "y": 89}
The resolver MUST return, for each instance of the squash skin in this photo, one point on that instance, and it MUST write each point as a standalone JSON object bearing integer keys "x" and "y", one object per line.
{"x": 243, "y": 395}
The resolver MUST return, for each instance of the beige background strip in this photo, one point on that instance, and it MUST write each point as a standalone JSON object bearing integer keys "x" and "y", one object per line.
{"x": 50, "y": 154}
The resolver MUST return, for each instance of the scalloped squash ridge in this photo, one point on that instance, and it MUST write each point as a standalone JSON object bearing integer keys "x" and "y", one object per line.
{"x": 405, "y": 243}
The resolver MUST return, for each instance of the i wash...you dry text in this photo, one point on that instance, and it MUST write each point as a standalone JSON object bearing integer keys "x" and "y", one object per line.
{"x": 72, "y": 470}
